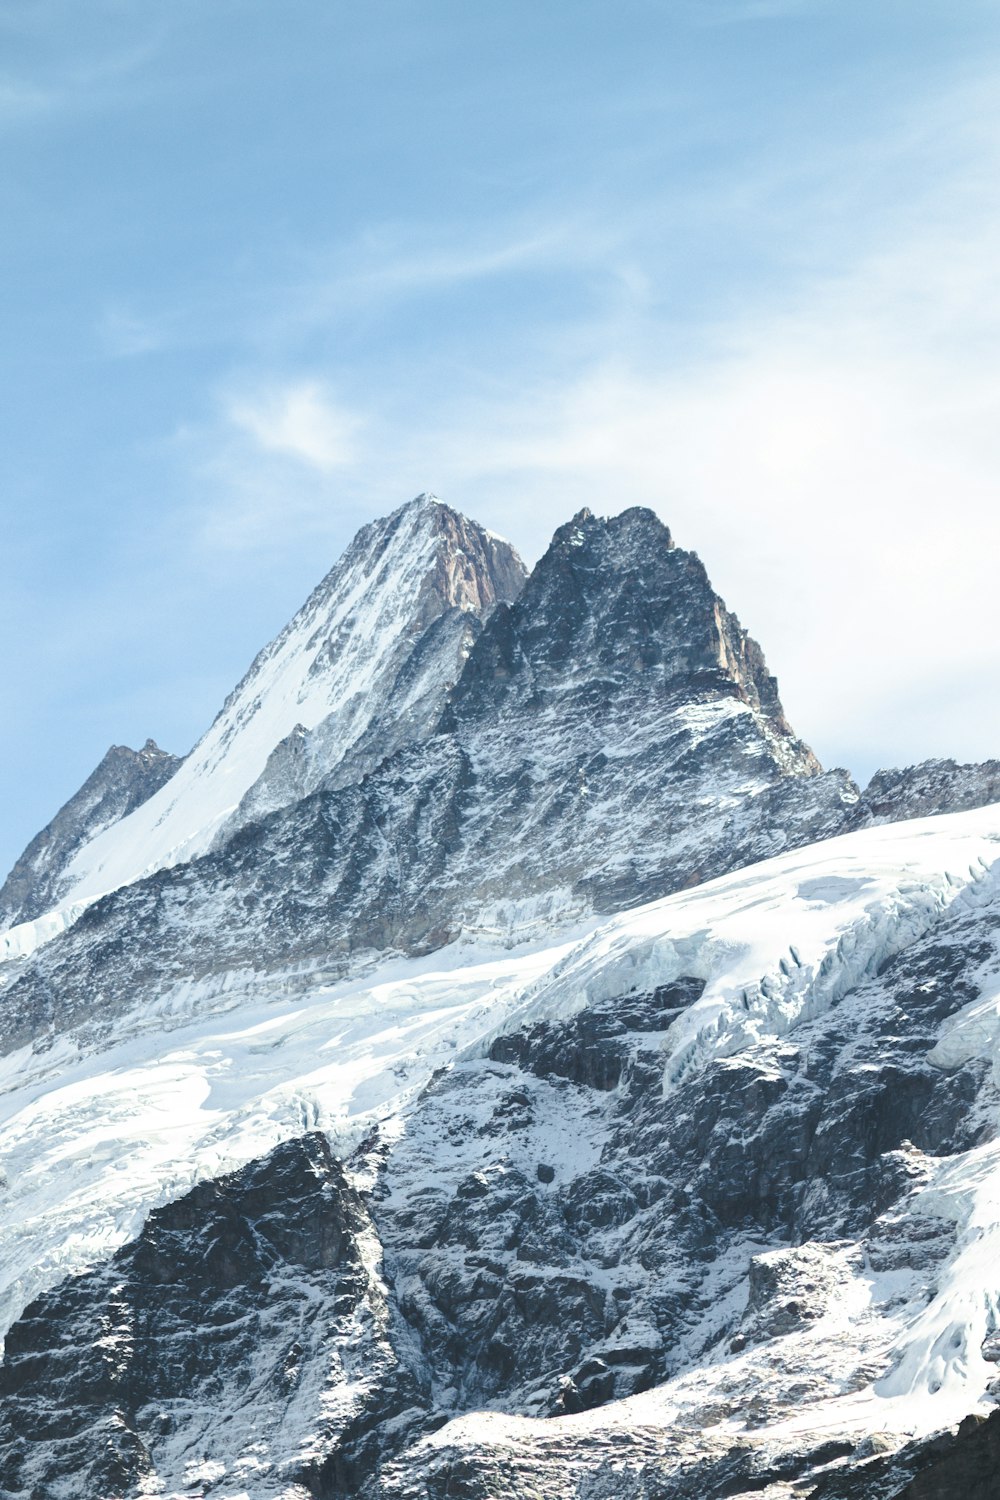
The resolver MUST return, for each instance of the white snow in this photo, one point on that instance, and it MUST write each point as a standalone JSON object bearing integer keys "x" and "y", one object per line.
{"x": 22, "y": 940}
{"x": 89, "y": 1142}
{"x": 329, "y": 659}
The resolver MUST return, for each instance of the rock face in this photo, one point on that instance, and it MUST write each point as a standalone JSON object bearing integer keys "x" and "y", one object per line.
{"x": 695, "y": 1290}
{"x": 123, "y": 781}
{"x": 923, "y": 791}
{"x": 253, "y": 1302}
{"x": 614, "y": 735}
{"x": 624, "y": 729}
{"x": 967, "y": 1468}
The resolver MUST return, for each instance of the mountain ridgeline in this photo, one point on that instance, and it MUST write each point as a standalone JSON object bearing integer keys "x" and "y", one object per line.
{"x": 609, "y": 736}
{"x": 482, "y": 1070}
{"x": 362, "y": 668}
{"x": 123, "y": 781}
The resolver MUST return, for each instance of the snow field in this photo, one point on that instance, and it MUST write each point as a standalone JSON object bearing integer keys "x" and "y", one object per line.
{"x": 91, "y": 1141}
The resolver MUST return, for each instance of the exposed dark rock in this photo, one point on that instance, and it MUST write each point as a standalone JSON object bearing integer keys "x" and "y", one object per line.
{"x": 591, "y": 1048}
{"x": 241, "y": 1307}
{"x": 124, "y": 780}
{"x": 921, "y": 791}
{"x": 968, "y": 1469}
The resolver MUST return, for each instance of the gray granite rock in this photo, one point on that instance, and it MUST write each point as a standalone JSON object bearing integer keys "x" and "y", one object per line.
{"x": 124, "y": 780}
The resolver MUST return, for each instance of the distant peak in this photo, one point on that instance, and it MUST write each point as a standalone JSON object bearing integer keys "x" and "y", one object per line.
{"x": 602, "y": 536}
{"x": 423, "y": 508}
{"x": 150, "y": 755}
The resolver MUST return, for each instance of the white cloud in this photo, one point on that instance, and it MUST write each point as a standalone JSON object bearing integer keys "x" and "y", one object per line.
{"x": 261, "y": 472}
{"x": 300, "y": 420}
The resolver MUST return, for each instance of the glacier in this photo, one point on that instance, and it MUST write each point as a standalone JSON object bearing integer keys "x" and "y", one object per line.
{"x": 92, "y": 1140}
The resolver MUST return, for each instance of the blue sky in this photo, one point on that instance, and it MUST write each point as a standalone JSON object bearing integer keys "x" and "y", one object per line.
{"x": 269, "y": 269}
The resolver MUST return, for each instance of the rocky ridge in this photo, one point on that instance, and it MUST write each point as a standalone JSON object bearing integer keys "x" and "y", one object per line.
{"x": 123, "y": 781}
{"x": 366, "y": 661}
{"x": 925, "y": 790}
{"x": 613, "y": 735}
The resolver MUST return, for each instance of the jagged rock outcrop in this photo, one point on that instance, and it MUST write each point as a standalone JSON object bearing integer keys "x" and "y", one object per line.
{"x": 614, "y": 735}
{"x": 666, "y": 1277}
{"x": 123, "y": 781}
{"x": 967, "y": 1467}
{"x": 252, "y": 1305}
{"x": 926, "y": 790}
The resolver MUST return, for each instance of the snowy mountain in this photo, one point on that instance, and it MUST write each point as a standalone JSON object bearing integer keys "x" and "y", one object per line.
{"x": 123, "y": 781}
{"x": 360, "y": 669}
{"x": 698, "y": 1200}
{"x": 613, "y": 735}
{"x": 502, "y": 1063}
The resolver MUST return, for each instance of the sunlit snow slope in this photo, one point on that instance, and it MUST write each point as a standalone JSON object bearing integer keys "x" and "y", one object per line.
{"x": 90, "y": 1141}
{"x": 340, "y": 656}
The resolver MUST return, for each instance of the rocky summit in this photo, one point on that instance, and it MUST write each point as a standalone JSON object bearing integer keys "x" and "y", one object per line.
{"x": 498, "y": 1061}
{"x": 123, "y": 781}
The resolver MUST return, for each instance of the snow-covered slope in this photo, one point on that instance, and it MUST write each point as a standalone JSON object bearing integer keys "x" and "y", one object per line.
{"x": 333, "y": 669}
{"x": 757, "y": 1119}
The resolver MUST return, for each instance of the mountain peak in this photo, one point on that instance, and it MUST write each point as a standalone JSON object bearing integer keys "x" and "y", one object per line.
{"x": 368, "y": 659}
{"x": 123, "y": 780}
{"x": 605, "y": 537}
{"x": 615, "y": 592}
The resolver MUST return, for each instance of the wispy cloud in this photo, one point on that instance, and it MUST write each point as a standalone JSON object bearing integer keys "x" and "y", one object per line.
{"x": 63, "y": 83}
{"x": 262, "y": 468}
{"x": 22, "y": 100}
{"x": 300, "y": 420}
{"x": 392, "y": 264}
